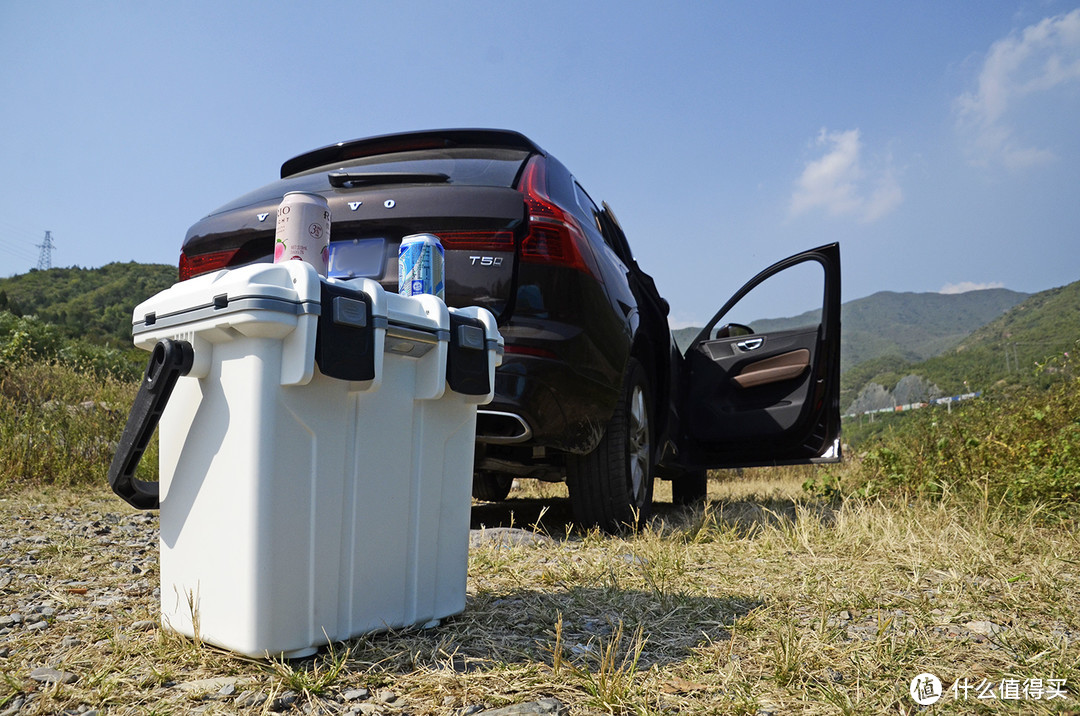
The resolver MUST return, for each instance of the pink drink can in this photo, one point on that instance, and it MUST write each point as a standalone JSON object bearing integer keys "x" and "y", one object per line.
{"x": 303, "y": 230}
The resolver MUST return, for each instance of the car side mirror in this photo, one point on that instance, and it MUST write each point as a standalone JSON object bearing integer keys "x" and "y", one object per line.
{"x": 731, "y": 330}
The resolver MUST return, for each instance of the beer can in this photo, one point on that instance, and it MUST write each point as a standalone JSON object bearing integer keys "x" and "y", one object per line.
{"x": 420, "y": 266}
{"x": 303, "y": 230}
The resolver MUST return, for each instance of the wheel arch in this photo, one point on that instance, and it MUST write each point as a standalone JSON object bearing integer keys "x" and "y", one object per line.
{"x": 655, "y": 358}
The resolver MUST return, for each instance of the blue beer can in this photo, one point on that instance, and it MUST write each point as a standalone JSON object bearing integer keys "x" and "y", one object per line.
{"x": 421, "y": 266}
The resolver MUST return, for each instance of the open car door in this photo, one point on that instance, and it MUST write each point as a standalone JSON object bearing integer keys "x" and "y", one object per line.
{"x": 767, "y": 392}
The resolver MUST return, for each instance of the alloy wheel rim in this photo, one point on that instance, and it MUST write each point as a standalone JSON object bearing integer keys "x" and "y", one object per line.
{"x": 638, "y": 445}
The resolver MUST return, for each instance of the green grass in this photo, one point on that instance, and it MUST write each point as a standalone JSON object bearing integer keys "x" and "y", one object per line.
{"x": 1019, "y": 447}
{"x": 812, "y": 590}
{"x": 765, "y": 599}
{"x": 60, "y": 425}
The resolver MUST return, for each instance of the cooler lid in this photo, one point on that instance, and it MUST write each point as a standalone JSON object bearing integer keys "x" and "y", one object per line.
{"x": 291, "y": 287}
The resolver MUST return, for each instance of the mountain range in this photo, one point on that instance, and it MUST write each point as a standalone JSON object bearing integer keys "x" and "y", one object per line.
{"x": 910, "y": 326}
{"x": 929, "y": 342}
{"x": 906, "y": 347}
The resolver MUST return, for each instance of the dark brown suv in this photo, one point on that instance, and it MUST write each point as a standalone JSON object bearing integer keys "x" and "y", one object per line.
{"x": 592, "y": 389}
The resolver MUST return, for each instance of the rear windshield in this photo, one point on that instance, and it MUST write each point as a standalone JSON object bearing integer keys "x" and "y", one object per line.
{"x": 475, "y": 166}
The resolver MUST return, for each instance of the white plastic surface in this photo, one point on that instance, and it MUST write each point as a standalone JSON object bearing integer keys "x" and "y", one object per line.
{"x": 292, "y": 282}
{"x": 300, "y": 513}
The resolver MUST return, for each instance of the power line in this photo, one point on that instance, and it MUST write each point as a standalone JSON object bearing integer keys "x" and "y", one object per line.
{"x": 17, "y": 249}
{"x": 45, "y": 257}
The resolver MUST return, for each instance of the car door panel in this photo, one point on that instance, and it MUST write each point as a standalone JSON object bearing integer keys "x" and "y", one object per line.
{"x": 734, "y": 400}
{"x": 765, "y": 398}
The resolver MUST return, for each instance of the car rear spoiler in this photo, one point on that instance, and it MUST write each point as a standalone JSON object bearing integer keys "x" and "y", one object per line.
{"x": 407, "y": 142}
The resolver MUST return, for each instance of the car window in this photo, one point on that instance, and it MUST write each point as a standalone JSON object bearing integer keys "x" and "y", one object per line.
{"x": 474, "y": 166}
{"x": 590, "y": 216}
{"x": 587, "y": 210}
{"x": 789, "y": 300}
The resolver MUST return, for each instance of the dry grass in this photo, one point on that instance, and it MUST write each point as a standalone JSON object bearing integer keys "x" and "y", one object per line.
{"x": 763, "y": 601}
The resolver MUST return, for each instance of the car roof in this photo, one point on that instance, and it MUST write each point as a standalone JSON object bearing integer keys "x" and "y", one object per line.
{"x": 408, "y": 141}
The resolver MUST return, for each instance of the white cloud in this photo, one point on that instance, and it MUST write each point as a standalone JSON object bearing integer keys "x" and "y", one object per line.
{"x": 1018, "y": 69}
{"x": 965, "y": 286}
{"x": 839, "y": 183}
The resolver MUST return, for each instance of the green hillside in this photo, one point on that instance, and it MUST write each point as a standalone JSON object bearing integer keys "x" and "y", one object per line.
{"x": 1009, "y": 348}
{"x": 917, "y": 326}
{"x": 1005, "y": 351}
{"x": 886, "y": 336}
{"x": 95, "y": 304}
{"x": 904, "y": 327}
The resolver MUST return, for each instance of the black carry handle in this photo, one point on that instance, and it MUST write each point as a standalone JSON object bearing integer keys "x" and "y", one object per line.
{"x": 169, "y": 361}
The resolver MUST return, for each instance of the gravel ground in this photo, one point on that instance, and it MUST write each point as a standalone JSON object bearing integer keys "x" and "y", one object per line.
{"x": 75, "y": 581}
{"x": 743, "y": 622}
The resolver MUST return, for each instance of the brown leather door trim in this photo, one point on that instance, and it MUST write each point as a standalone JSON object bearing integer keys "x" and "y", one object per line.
{"x": 773, "y": 370}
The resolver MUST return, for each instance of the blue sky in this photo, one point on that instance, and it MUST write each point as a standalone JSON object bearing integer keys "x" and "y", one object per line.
{"x": 939, "y": 142}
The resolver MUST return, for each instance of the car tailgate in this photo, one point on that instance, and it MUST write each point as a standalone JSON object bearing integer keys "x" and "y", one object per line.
{"x": 480, "y": 227}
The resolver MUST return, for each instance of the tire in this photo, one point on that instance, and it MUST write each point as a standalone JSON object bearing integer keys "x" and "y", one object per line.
{"x": 690, "y": 488}
{"x": 611, "y": 487}
{"x": 491, "y": 486}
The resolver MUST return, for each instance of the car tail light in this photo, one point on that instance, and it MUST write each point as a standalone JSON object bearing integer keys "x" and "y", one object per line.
{"x": 477, "y": 240}
{"x": 197, "y": 264}
{"x": 555, "y": 237}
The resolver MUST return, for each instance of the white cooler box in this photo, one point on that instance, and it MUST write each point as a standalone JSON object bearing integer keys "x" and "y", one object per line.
{"x": 316, "y": 460}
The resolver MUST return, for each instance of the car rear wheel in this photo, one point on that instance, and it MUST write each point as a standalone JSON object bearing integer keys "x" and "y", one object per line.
{"x": 491, "y": 486}
{"x": 612, "y": 486}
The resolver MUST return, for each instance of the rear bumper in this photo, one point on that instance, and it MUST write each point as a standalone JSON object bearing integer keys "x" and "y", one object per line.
{"x": 545, "y": 403}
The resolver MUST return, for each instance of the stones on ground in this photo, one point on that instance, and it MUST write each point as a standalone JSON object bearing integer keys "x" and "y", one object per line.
{"x": 250, "y": 699}
{"x": 283, "y": 702}
{"x": 224, "y": 685}
{"x": 506, "y": 537}
{"x": 48, "y": 675}
{"x": 356, "y": 694}
{"x": 578, "y": 649}
{"x": 13, "y": 706}
{"x": 387, "y": 696}
{"x": 985, "y": 628}
{"x": 540, "y": 707}
{"x": 144, "y": 625}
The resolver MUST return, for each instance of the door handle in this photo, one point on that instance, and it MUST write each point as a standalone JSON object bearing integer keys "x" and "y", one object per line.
{"x": 750, "y": 344}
